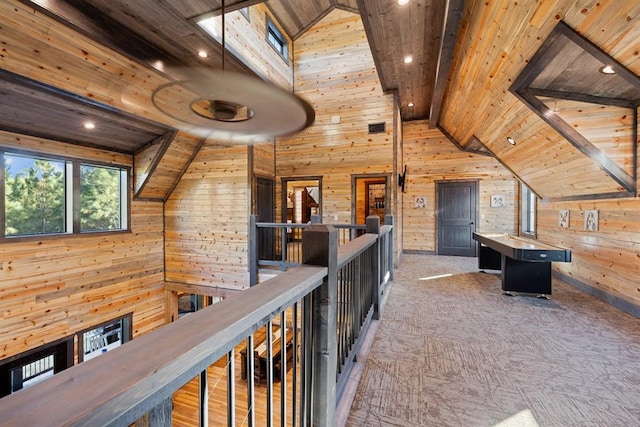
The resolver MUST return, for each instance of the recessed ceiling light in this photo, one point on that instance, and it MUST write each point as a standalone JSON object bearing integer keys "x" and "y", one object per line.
{"x": 607, "y": 69}
{"x": 408, "y": 59}
{"x": 511, "y": 140}
{"x": 410, "y": 104}
{"x": 89, "y": 125}
{"x": 403, "y": 2}
{"x": 202, "y": 53}
{"x": 158, "y": 65}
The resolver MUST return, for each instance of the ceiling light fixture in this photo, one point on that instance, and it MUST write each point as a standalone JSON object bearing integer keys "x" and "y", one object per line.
{"x": 403, "y": 2}
{"x": 89, "y": 125}
{"x": 231, "y": 106}
{"x": 511, "y": 140}
{"x": 408, "y": 59}
{"x": 607, "y": 69}
{"x": 411, "y": 104}
{"x": 202, "y": 53}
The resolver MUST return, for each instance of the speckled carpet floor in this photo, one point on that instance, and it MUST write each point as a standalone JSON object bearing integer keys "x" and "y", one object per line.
{"x": 451, "y": 350}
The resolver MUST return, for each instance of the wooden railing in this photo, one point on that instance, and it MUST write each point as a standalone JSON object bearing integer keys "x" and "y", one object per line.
{"x": 278, "y": 245}
{"x": 336, "y": 293}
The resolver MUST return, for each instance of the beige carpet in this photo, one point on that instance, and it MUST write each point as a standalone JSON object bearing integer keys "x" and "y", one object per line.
{"x": 451, "y": 350}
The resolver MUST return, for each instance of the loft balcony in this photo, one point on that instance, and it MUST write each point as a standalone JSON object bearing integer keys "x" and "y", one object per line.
{"x": 278, "y": 353}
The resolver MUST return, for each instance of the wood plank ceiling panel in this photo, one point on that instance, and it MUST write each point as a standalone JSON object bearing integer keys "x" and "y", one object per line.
{"x": 396, "y": 31}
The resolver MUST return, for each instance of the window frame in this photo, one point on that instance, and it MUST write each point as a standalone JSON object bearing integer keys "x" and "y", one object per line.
{"x": 273, "y": 30}
{"x": 72, "y": 195}
{"x": 528, "y": 212}
{"x": 62, "y": 350}
{"x": 126, "y": 332}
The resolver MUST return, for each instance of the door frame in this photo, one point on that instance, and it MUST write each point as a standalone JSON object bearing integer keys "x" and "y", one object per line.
{"x": 284, "y": 182}
{"x": 354, "y": 192}
{"x": 476, "y": 183}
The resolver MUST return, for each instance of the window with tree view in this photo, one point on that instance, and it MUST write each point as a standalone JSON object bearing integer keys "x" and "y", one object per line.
{"x": 101, "y": 204}
{"x": 40, "y": 192}
{"x": 34, "y": 195}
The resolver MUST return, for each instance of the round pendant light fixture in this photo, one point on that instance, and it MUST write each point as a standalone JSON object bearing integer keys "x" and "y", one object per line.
{"x": 231, "y": 106}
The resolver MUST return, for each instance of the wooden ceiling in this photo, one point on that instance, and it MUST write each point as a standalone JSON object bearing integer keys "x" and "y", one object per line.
{"x": 32, "y": 108}
{"x": 148, "y": 30}
{"x": 466, "y": 56}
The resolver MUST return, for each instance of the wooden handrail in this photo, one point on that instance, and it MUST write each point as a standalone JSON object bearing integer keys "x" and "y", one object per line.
{"x": 122, "y": 385}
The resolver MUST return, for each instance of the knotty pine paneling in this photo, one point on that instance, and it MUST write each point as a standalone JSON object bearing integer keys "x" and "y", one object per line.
{"x": 336, "y": 74}
{"x": 206, "y": 220}
{"x": 607, "y": 259}
{"x": 247, "y": 39}
{"x": 51, "y": 288}
{"x": 478, "y": 101}
{"x": 264, "y": 159}
{"x": 430, "y": 157}
{"x": 40, "y": 48}
{"x": 171, "y": 165}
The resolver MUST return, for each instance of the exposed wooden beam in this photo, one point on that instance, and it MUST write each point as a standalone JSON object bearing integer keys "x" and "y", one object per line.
{"x": 474, "y": 145}
{"x": 452, "y": 18}
{"x": 609, "y": 166}
{"x": 366, "y": 23}
{"x": 217, "y": 11}
{"x": 161, "y": 143}
{"x": 581, "y": 97}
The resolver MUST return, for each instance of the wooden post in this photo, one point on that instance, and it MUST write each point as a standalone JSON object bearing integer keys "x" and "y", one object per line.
{"x": 158, "y": 416}
{"x": 253, "y": 250}
{"x": 388, "y": 220}
{"x": 320, "y": 247}
{"x": 373, "y": 226}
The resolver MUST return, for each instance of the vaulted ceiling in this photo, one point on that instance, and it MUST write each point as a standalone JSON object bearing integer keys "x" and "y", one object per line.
{"x": 466, "y": 55}
{"x": 149, "y": 30}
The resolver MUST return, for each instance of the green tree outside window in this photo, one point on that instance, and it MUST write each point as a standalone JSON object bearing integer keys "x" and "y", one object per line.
{"x": 99, "y": 198}
{"x": 34, "y": 196}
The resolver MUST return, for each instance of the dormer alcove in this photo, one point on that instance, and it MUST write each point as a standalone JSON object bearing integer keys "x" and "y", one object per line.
{"x": 591, "y": 100}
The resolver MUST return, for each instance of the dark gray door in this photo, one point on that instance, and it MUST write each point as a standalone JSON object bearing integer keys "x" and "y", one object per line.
{"x": 265, "y": 210}
{"x": 457, "y": 210}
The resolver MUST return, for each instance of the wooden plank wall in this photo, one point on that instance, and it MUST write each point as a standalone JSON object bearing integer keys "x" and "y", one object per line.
{"x": 431, "y": 157}
{"x": 608, "y": 259}
{"x": 51, "y": 288}
{"x": 336, "y": 74}
{"x": 206, "y": 220}
{"x": 264, "y": 163}
{"x": 247, "y": 39}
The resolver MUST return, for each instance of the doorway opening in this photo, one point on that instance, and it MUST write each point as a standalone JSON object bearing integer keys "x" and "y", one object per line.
{"x": 301, "y": 199}
{"x": 371, "y": 196}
